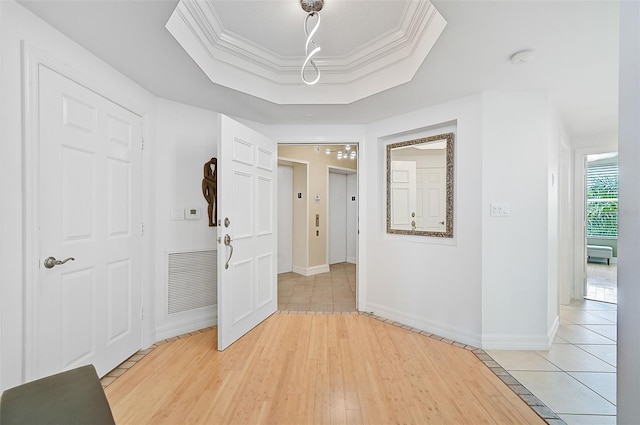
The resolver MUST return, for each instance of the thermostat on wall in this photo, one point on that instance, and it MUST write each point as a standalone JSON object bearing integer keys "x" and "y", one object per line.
{"x": 192, "y": 214}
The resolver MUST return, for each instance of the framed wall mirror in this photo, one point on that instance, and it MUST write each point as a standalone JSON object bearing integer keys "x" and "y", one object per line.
{"x": 420, "y": 187}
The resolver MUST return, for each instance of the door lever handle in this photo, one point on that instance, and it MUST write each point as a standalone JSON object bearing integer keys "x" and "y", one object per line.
{"x": 227, "y": 242}
{"x": 51, "y": 262}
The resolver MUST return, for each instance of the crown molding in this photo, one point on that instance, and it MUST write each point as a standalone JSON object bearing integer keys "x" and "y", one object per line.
{"x": 228, "y": 59}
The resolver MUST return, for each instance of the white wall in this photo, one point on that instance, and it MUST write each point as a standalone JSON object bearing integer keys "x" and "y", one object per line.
{"x": 186, "y": 138}
{"x": 628, "y": 408}
{"x": 517, "y": 276}
{"x": 285, "y": 218}
{"x": 172, "y": 174}
{"x": 608, "y": 140}
{"x": 429, "y": 283}
{"x": 16, "y": 24}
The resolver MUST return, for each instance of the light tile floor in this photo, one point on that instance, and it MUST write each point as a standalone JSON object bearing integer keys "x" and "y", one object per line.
{"x": 331, "y": 291}
{"x": 602, "y": 281}
{"x": 576, "y": 378}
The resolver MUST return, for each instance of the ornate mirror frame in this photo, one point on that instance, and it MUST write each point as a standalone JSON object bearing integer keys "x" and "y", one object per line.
{"x": 448, "y": 226}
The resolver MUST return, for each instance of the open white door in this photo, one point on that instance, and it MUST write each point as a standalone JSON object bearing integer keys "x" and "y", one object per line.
{"x": 247, "y": 257}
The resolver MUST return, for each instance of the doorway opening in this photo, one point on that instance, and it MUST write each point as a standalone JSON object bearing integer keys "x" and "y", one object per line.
{"x": 317, "y": 227}
{"x": 601, "y": 218}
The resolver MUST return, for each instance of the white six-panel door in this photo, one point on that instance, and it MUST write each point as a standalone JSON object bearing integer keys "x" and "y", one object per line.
{"x": 431, "y": 199}
{"x": 403, "y": 194}
{"x": 88, "y": 309}
{"x": 247, "y": 262}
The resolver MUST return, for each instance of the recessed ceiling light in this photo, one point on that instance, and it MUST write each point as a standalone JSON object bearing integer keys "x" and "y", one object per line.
{"x": 523, "y": 56}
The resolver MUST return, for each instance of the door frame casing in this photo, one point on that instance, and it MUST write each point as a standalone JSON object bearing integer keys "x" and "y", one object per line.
{"x": 306, "y": 191}
{"x": 361, "y": 167}
{"x": 579, "y": 218}
{"x": 289, "y": 202}
{"x": 32, "y": 59}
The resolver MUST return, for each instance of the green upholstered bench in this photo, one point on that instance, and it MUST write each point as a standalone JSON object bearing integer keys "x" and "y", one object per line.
{"x": 72, "y": 397}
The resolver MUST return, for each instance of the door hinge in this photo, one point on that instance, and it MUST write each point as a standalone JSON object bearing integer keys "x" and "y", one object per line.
{"x": 141, "y": 313}
{"x": 142, "y": 144}
{"x": 141, "y": 229}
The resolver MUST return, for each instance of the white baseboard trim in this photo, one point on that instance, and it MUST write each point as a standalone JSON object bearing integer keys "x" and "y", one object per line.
{"x": 515, "y": 342}
{"x": 434, "y": 327}
{"x": 310, "y": 271}
{"x": 521, "y": 342}
{"x": 188, "y": 322}
{"x": 351, "y": 260}
{"x": 553, "y": 330}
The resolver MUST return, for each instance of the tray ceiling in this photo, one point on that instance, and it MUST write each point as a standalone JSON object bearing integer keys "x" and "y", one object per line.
{"x": 367, "y": 47}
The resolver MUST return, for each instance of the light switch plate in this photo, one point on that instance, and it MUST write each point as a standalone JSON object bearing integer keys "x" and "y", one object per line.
{"x": 177, "y": 214}
{"x": 499, "y": 209}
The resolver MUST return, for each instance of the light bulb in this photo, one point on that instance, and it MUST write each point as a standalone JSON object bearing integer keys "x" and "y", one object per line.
{"x": 347, "y": 147}
{"x": 327, "y": 151}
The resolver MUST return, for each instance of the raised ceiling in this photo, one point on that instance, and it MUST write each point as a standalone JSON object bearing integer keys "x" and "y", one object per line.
{"x": 367, "y": 47}
{"x": 576, "y": 61}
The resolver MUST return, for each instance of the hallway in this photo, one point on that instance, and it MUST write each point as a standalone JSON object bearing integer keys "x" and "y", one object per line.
{"x": 576, "y": 378}
{"x": 332, "y": 291}
{"x": 602, "y": 282}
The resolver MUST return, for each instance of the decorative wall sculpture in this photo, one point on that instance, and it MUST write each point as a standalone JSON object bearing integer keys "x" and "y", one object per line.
{"x": 210, "y": 189}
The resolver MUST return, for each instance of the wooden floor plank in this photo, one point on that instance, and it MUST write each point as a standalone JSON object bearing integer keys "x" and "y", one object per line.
{"x": 324, "y": 369}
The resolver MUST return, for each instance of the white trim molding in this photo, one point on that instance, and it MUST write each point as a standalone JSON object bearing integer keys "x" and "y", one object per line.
{"x": 191, "y": 321}
{"x": 311, "y": 271}
{"x": 231, "y": 60}
{"x": 437, "y": 328}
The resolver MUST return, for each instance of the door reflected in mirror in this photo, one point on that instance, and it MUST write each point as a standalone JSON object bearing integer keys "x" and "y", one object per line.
{"x": 420, "y": 187}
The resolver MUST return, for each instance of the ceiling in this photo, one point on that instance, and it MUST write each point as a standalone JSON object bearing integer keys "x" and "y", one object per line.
{"x": 575, "y": 44}
{"x": 370, "y": 46}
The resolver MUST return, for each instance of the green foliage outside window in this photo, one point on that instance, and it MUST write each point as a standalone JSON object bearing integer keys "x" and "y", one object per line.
{"x": 602, "y": 201}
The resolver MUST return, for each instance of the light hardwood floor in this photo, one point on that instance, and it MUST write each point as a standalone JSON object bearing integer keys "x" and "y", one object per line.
{"x": 315, "y": 368}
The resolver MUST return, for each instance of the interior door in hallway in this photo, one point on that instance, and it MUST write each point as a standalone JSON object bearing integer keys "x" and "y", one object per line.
{"x": 343, "y": 216}
{"x": 247, "y": 258}
{"x": 86, "y": 310}
{"x": 337, "y": 217}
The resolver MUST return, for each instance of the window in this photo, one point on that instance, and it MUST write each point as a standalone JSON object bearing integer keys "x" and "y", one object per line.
{"x": 602, "y": 200}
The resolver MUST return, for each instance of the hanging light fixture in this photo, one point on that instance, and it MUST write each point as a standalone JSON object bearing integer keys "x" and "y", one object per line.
{"x": 312, "y": 7}
{"x": 347, "y": 152}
